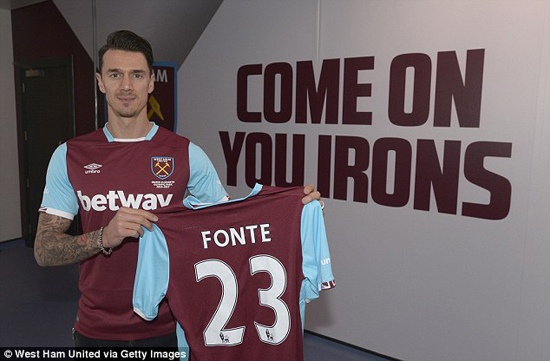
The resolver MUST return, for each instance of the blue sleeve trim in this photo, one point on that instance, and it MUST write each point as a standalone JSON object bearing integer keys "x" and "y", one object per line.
{"x": 59, "y": 197}
{"x": 152, "y": 273}
{"x": 204, "y": 183}
{"x": 316, "y": 264}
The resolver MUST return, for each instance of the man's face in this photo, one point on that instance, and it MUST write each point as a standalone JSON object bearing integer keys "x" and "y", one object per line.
{"x": 126, "y": 81}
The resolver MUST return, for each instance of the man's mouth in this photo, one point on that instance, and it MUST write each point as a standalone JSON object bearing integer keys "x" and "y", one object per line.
{"x": 126, "y": 98}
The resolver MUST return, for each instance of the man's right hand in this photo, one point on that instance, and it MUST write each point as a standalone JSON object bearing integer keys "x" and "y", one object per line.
{"x": 127, "y": 222}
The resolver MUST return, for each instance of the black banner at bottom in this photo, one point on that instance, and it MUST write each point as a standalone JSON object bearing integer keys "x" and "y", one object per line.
{"x": 59, "y": 353}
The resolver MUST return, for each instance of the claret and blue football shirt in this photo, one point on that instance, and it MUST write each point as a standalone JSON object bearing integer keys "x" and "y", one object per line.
{"x": 237, "y": 274}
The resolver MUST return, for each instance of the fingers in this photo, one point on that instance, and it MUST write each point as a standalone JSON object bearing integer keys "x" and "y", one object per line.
{"x": 308, "y": 188}
{"x": 125, "y": 230}
{"x": 127, "y": 222}
{"x": 311, "y": 194}
{"x": 139, "y": 216}
{"x": 311, "y": 197}
{"x": 145, "y": 214}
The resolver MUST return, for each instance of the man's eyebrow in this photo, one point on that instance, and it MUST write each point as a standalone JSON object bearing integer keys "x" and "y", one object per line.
{"x": 117, "y": 70}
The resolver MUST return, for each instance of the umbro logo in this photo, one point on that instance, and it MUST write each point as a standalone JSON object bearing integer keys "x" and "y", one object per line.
{"x": 92, "y": 168}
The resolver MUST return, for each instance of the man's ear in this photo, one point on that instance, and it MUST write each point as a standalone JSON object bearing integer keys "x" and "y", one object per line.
{"x": 100, "y": 82}
{"x": 152, "y": 83}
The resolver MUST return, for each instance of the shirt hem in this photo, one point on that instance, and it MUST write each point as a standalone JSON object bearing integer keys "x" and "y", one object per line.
{"x": 124, "y": 336}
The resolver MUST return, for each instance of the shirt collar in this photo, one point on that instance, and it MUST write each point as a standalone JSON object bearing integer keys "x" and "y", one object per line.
{"x": 149, "y": 135}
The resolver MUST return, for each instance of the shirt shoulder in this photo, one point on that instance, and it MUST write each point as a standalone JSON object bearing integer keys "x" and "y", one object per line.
{"x": 204, "y": 182}
{"x": 95, "y": 136}
{"x": 166, "y": 136}
{"x": 59, "y": 198}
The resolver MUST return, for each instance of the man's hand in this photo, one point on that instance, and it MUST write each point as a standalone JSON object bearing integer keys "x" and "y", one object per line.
{"x": 311, "y": 194}
{"x": 127, "y": 222}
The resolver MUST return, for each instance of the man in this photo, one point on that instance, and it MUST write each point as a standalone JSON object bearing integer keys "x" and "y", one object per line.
{"x": 116, "y": 177}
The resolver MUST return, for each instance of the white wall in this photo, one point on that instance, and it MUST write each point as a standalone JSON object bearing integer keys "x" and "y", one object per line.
{"x": 10, "y": 216}
{"x": 412, "y": 284}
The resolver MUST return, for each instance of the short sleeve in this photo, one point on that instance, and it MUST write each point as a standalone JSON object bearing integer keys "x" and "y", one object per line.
{"x": 59, "y": 197}
{"x": 204, "y": 182}
{"x": 316, "y": 263}
{"x": 152, "y": 273}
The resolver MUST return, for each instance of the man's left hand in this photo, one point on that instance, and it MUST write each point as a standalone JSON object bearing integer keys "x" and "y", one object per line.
{"x": 311, "y": 194}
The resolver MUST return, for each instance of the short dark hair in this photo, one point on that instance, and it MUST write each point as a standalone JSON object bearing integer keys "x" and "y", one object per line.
{"x": 128, "y": 41}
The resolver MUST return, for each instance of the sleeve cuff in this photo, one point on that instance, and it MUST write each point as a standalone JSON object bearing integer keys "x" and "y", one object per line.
{"x": 142, "y": 315}
{"x": 55, "y": 212}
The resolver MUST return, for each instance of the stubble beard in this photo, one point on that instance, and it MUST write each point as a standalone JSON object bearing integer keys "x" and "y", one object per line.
{"x": 129, "y": 111}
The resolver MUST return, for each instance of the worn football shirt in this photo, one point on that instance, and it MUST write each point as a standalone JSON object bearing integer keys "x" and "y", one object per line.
{"x": 237, "y": 274}
{"x": 95, "y": 175}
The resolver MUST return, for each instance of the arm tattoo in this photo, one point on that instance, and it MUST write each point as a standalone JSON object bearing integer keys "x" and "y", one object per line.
{"x": 53, "y": 247}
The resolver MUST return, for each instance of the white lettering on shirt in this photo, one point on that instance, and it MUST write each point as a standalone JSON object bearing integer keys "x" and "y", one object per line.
{"x": 232, "y": 236}
{"x": 116, "y": 199}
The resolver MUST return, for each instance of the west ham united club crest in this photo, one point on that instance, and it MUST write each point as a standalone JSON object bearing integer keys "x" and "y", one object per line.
{"x": 162, "y": 167}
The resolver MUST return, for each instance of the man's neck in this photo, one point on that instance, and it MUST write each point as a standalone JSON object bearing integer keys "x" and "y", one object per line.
{"x": 128, "y": 128}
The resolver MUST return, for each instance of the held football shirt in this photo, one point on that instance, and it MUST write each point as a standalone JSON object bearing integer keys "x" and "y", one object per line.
{"x": 237, "y": 274}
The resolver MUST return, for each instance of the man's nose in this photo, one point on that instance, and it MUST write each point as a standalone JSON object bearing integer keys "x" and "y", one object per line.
{"x": 126, "y": 82}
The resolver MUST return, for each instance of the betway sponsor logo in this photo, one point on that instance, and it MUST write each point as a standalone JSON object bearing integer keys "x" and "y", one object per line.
{"x": 116, "y": 199}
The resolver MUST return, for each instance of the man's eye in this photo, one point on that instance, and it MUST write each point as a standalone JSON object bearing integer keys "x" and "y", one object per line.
{"x": 114, "y": 75}
{"x": 138, "y": 75}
